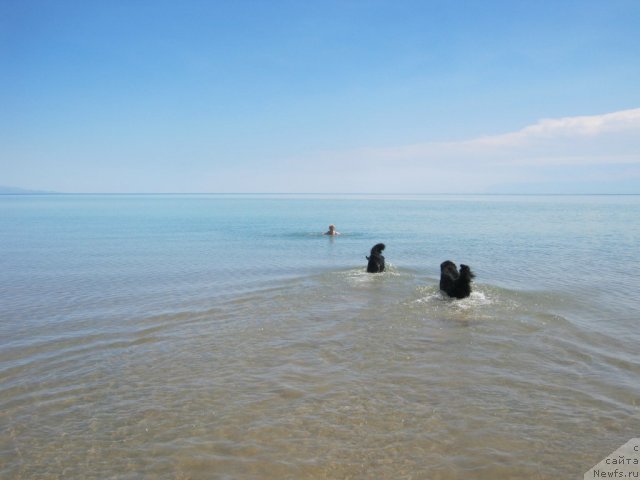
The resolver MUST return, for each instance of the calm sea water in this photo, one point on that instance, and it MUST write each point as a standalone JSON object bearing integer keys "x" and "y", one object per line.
{"x": 225, "y": 337}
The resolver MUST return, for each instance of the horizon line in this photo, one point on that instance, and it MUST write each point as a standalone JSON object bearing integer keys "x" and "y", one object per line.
{"x": 43, "y": 193}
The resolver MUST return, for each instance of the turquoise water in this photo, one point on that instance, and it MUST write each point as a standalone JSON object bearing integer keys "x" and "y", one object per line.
{"x": 224, "y": 336}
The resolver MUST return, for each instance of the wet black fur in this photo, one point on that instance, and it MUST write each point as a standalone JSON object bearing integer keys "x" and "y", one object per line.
{"x": 453, "y": 283}
{"x": 376, "y": 259}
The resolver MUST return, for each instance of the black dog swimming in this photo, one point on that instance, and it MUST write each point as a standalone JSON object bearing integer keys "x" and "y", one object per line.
{"x": 376, "y": 259}
{"x": 453, "y": 283}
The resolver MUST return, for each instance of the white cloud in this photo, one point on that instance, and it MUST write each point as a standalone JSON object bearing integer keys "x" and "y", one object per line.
{"x": 590, "y": 125}
{"x": 624, "y": 121}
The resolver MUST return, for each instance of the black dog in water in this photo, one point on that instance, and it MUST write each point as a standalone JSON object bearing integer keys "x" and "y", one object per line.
{"x": 376, "y": 259}
{"x": 453, "y": 283}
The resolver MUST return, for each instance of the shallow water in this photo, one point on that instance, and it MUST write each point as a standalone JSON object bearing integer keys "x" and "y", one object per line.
{"x": 225, "y": 337}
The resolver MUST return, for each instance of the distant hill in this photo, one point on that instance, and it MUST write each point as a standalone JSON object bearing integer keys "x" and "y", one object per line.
{"x": 4, "y": 190}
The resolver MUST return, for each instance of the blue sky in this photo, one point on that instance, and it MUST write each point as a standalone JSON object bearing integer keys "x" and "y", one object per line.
{"x": 333, "y": 96}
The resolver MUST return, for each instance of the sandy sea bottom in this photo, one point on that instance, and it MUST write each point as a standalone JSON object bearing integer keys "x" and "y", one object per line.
{"x": 335, "y": 375}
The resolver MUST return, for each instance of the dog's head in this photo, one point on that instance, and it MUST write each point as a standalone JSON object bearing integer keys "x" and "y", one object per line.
{"x": 448, "y": 265}
{"x": 465, "y": 271}
{"x": 377, "y": 249}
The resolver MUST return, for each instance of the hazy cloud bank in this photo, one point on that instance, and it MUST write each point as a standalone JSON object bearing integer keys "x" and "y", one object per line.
{"x": 561, "y": 151}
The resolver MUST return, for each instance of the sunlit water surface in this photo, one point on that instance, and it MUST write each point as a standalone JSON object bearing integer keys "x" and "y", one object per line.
{"x": 225, "y": 337}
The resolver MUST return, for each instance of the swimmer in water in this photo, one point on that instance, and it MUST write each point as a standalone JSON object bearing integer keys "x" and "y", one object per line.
{"x": 332, "y": 231}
